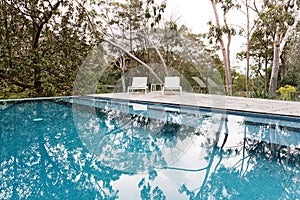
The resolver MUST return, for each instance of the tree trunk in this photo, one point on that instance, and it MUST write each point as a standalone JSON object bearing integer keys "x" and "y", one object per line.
{"x": 275, "y": 67}
{"x": 248, "y": 49}
{"x": 225, "y": 51}
{"x": 279, "y": 44}
{"x": 36, "y": 35}
{"x": 123, "y": 81}
{"x": 283, "y": 67}
{"x": 266, "y": 72}
{"x": 37, "y": 81}
{"x": 227, "y": 70}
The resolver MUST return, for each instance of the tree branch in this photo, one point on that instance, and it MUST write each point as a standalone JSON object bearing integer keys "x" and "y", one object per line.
{"x": 158, "y": 52}
{"x": 135, "y": 58}
{"x": 115, "y": 44}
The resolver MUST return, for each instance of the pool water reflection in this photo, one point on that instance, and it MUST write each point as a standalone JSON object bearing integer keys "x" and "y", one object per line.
{"x": 116, "y": 151}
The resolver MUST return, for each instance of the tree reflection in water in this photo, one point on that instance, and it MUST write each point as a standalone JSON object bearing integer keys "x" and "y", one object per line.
{"x": 131, "y": 141}
{"x": 84, "y": 157}
{"x": 257, "y": 169}
{"x": 46, "y": 159}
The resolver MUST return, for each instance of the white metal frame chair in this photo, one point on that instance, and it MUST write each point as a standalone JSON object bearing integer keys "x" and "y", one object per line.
{"x": 172, "y": 83}
{"x": 138, "y": 83}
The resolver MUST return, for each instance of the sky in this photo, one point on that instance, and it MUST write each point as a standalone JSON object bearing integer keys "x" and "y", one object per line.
{"x": 193, "y": 13}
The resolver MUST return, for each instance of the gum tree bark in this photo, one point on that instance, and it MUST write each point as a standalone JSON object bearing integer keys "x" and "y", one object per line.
{"x": 225, "y": 49}
{"x": 279, "y": 44}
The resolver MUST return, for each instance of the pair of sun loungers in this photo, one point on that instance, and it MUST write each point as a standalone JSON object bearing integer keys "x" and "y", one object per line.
{"x": 140, "y": 83}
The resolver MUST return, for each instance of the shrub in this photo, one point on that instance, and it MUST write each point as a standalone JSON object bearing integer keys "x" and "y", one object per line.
{"x": 258, "y": 93}
{"x": 286, "y": 92}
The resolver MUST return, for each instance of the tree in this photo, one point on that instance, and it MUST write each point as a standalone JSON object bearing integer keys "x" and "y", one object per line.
{"x": 247, "y": 32}
{"x": 43, "y": 43}
{"x": 293, "y": 62}
{"x": 217, "y": 31}
{"x": 183, "y": 53}
{"x": 248, "y": 45}
{"x": 128, "y": 23}
{"x": 286, "y": 18}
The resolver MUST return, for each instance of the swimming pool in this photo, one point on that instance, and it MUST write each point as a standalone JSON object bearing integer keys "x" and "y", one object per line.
{"x": 85, "y": 148}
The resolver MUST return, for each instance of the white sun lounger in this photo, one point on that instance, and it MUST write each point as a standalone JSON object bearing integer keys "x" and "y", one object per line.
{"x": 138, "y": 83}
{"x": 172, "y": 83}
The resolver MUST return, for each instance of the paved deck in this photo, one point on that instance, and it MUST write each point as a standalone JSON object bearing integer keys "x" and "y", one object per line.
{"x": 276, "y": 107}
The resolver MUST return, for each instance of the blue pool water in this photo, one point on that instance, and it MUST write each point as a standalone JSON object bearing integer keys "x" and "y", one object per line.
{"x": 84, "y": 148}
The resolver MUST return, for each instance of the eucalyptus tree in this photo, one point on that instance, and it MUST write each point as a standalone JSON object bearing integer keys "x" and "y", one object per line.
{"x": 274, "y": 25}
{"x": 293, "y": 61}
{"x": 281, "y": 18}
{"x": 248, "y": 33}
{"x": 186, "y": 52}
{"x": 261, "y": 52}
{"x": 249, "y": 10}
{"x": 218, "y": 31}
{"x": 128, "y": 21}
{"x": 42, "y": 45}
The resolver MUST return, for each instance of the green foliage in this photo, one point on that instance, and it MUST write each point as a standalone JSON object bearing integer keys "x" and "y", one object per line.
{"x": 132, "y": 15}
{"x": 286, "y": 92}
{"x": 42, "y": 48}
{"x": 259, "y": 93}
{"x": 274, "y": 17}
{"x": 292, "y": 76}
{"x": 238, "y": 83}
{"x": 184, "y": 55}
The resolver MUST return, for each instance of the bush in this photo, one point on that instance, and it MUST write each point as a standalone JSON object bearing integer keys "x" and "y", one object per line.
{"x": 286, "y": 92}
{"x": 258, "y": 93}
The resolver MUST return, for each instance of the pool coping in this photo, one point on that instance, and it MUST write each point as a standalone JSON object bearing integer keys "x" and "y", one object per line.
{"x": 205, "y": 101}
{"x": 226, "y": 103}
{"x": 33, "y": 99}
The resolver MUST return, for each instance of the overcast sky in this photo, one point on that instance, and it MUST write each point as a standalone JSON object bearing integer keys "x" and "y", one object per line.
{"x": 193, "y": 13}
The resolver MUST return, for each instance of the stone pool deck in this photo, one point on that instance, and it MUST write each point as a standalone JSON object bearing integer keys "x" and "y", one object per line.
{"x": 276, "y": 107}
